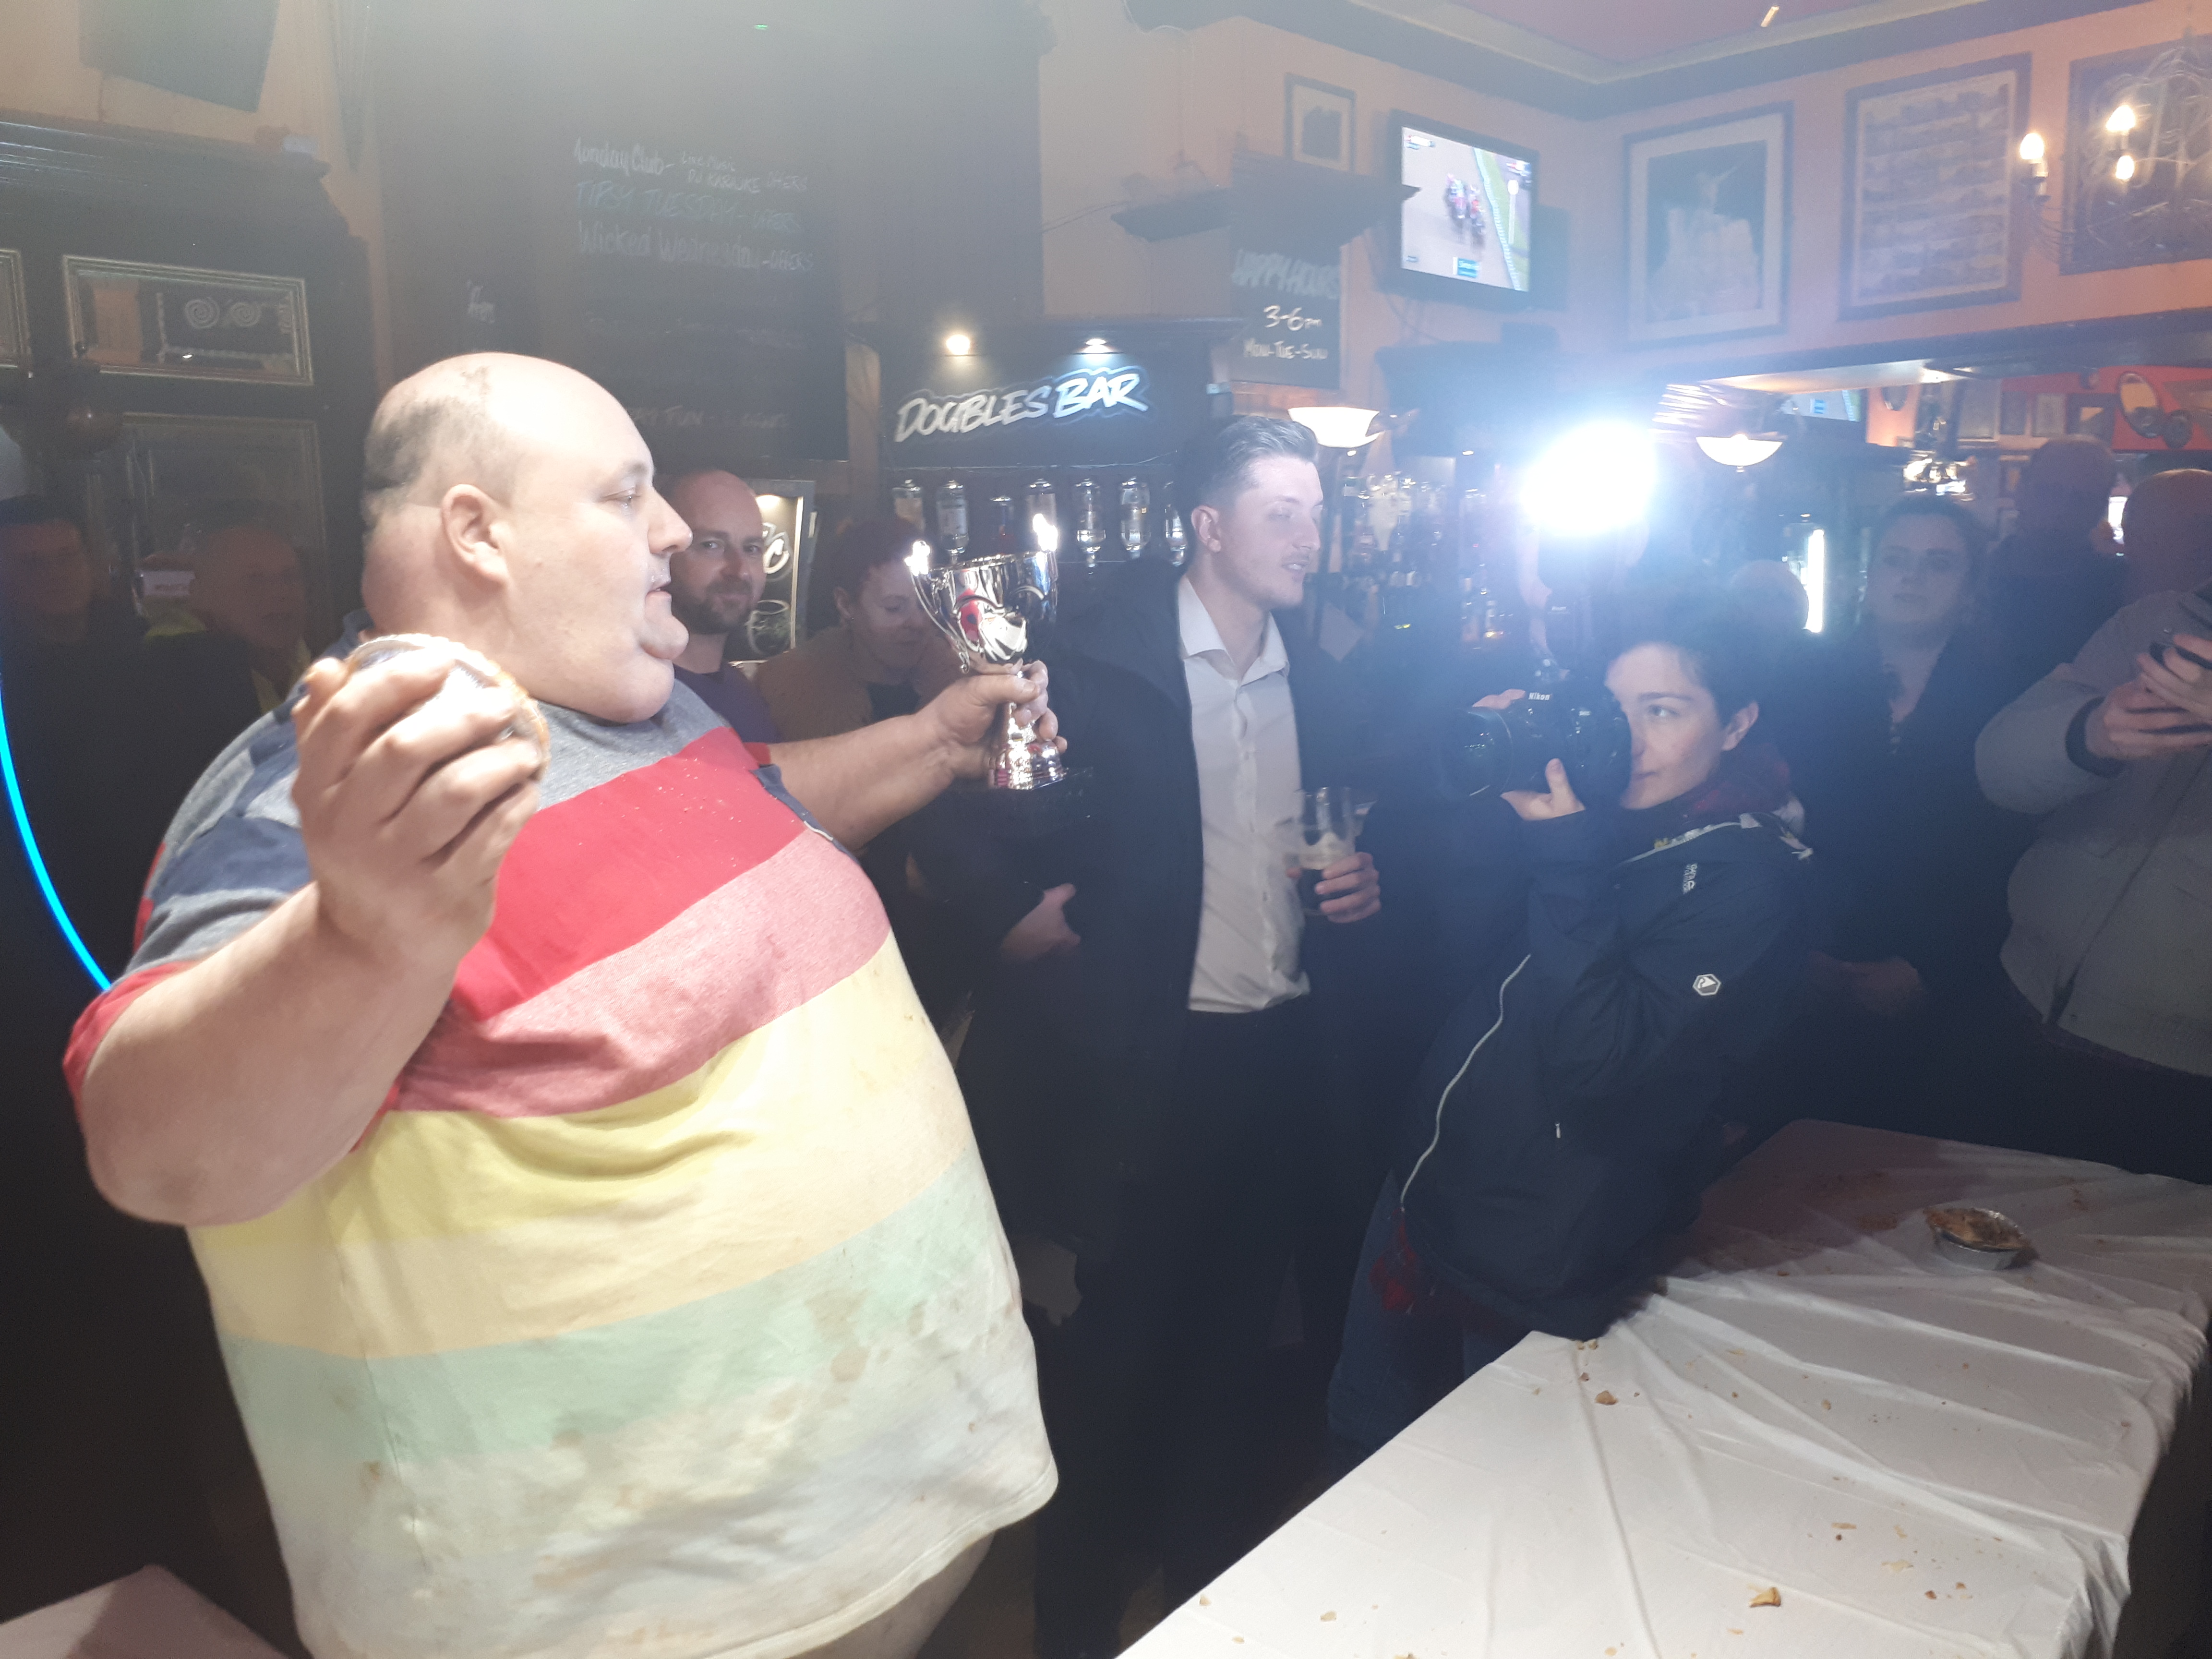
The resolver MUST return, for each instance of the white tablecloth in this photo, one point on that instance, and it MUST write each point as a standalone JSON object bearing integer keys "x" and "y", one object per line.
{"x": 1920, "y": 1458}
{"x": 149, "y": 1615}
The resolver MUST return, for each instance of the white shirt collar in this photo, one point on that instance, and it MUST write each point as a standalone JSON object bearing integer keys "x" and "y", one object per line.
{"x": 1200, "y": 638}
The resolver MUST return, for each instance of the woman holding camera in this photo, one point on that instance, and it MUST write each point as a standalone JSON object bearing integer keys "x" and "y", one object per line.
{"x": 1565, "y": 1119}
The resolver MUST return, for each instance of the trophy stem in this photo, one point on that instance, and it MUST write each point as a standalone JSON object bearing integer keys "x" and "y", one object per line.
{"x": 1019, "y": 758}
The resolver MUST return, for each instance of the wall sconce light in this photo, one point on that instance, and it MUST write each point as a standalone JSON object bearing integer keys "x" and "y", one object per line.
{"x": 2037, "y": 167}
{"x": 1338, "y": 426}
{"x": 1740, "y": 451}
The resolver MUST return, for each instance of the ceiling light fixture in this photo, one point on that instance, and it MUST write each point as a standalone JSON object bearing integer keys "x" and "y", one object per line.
{"x": 958, "y": 345}
{"x": 1338, "y": 425}
{"x": 1096, "y": 343}
{"x": 1740, "y": 451}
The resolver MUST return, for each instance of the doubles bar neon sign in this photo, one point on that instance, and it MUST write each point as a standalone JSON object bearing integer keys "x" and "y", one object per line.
{"x": 1067, "y": 397}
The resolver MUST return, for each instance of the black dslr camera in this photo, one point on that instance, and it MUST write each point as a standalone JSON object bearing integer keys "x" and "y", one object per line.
{"x": 1576, "y": 722}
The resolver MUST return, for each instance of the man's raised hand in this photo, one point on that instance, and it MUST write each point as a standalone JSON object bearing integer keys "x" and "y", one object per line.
{"x": 406, "y": 813}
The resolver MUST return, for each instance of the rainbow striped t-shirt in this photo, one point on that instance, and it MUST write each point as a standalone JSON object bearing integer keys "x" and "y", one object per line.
{"x": 662, "y": 1311}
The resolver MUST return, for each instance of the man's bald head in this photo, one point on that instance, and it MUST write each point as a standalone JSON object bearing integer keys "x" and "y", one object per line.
{"x": 247, "y": 581}
{"x": 435, "y": 429}
{"x": 2166, "y": 534}
{"x": 2066, "y": 487}
{"x": 510, "y": 506}
{"x": 715, "y": 582}
{"x": 1771, "y": 596}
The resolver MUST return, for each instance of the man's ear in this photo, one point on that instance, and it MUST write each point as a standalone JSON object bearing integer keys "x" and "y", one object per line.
{"x": 1206, "y": 526}
{"x": 470, "y": 522}
{"x": 1739, "y": 723}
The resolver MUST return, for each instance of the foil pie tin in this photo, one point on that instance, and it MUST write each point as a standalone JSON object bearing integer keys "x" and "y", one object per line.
{"x": 473, "y": 678}
{"x": 1971, "y": 1236}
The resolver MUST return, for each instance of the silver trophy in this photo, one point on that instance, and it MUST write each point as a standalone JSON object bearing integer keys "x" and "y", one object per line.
{"x": 987, "y": 608}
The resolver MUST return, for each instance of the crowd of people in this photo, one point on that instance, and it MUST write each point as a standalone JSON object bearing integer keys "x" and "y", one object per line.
{"x": 626, "y": 1263}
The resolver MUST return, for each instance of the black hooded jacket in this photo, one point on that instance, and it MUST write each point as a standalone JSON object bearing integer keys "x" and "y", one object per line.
{"x": 1565, "y": 1119}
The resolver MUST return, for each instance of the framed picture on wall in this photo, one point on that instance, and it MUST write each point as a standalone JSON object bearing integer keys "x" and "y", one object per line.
{"x": 2093, "y": 415}
{"x": 1317, "y": 123}
{"x": 168, "y": 469}
{"x": 199, "y": 324}
{"x": 2139, "y": 195}
{"x": 1931, "y": 217}
{"x": 1709, "y": 228}
{"x": 14, "y": 326}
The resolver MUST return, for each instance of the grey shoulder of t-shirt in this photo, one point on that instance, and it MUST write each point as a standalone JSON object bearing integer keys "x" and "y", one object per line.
{"x": 589, "y": 752}
{"x": 228, "y": 776}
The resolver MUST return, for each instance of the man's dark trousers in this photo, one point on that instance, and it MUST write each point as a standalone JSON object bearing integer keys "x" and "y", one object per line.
{"x": 1151, "y": 1386}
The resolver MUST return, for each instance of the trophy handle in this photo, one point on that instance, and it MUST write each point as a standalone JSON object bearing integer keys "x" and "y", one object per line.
{"x": 936, "y": 599}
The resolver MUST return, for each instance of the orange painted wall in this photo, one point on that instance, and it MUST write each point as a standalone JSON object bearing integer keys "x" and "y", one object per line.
{"x": 1817, "y": 196}
{"x": 40, "y": 75}
{"x": 1120, "y": 105}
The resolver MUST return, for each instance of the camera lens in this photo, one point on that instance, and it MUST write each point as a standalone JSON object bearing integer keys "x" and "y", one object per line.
{"x": 1475, "y": 755}
{"x": 1491, "y": 750}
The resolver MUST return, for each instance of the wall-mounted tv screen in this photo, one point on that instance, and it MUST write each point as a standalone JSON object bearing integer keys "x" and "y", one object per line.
{"x": 1466, "y": 233}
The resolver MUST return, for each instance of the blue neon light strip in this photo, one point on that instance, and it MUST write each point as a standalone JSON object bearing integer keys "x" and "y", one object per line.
{"x": 38, "y": 859}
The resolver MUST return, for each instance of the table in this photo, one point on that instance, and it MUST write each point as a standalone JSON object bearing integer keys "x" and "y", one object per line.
{"x": 1916, "y": 1457}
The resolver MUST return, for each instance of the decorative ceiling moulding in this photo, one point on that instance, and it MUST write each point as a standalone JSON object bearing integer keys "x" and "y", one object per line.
{"x": 1455, "y": 42}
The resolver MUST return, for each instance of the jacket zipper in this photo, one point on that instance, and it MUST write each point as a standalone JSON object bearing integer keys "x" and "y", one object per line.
{"x": 1503, "y": 986}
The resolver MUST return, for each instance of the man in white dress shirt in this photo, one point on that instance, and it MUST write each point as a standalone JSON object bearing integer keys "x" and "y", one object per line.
{"x": 1149, "y": 1070}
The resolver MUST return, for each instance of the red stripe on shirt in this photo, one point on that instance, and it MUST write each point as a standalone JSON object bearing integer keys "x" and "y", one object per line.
{"x": 93, "y": 1024}
{"x": 587, "y": 879}
{"x": 770, "y": 941}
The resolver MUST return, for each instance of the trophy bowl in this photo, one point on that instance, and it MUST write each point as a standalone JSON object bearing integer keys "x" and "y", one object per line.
{"x": 988, "y": 607}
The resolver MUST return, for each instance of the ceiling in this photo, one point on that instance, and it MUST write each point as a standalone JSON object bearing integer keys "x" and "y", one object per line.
{"x": 1625, "y": 31}
{"x": 1599, "y": 58}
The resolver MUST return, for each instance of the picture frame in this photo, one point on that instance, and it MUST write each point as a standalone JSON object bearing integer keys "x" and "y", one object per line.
{"x": 177, "y": 320}
{"x": 1319, "y": 124}
{"x": 14, "y": 314}
{"x": 2158, "y": 216}
{"x": 165, "y": 468}
{"x": 2093, "y": 415}
{"x": 1931, "y": 215}
{"x": 1709, "y": 228}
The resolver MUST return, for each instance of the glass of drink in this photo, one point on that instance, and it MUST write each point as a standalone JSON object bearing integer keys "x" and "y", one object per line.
{"x": 1325, "y": 832}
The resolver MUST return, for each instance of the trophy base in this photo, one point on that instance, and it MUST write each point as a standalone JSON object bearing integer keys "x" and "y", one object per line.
{"x": 1027, "y": 766}
{"x": 1023, "y": 814}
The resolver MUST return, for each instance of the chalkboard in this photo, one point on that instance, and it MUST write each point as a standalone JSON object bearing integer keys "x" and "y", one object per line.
{"x": 707, "y": 299}
{"x": 1286, "y": 278}
{"x": 652, "y": 204}
{"x": 1291, "y": 305}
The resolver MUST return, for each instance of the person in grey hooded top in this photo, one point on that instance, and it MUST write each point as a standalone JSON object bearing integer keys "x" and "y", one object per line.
{"x": 2111, "y": 907}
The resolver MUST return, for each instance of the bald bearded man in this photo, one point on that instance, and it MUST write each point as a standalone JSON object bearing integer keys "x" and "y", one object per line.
{"x": 610, "y": 1270}
{"x": 712, "y": 586}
